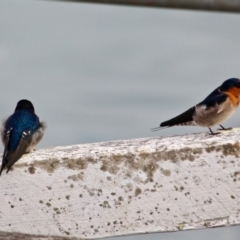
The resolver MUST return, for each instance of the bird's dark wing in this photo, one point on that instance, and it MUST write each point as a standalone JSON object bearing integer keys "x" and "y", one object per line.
{"x": 185, "y": 118}
{"x": 213, "y": 94}
{"x": 10, "y": 157}
{"x": 212, "y": 101}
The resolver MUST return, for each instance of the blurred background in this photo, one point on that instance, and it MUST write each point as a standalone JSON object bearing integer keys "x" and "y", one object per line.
{"x": 99, "y": 72}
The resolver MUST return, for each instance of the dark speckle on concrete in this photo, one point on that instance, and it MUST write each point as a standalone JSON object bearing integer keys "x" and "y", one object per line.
{"x": 138, "y": 191}
{"x": 67, "y": 197}
{"x": 31, "y": 169}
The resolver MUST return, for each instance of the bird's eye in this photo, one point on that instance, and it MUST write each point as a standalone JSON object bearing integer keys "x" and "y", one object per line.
{"x": 238, "y": 85}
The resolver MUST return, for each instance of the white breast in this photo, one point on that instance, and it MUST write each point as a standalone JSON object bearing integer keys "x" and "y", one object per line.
{"x": 208, "y": 117}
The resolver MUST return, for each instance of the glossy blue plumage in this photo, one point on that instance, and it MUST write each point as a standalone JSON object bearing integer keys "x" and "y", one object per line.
{"x": 20, "y": 133}
{"x": 213, "y": 100}
{"x": 21, "y": 121}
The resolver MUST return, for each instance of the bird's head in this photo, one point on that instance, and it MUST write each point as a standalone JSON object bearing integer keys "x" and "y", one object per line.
{"x": 24, "y": 105}
{"x": 232, "y": 86}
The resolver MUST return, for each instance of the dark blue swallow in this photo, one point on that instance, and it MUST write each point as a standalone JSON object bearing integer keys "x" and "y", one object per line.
{"x": 20, "y": 133}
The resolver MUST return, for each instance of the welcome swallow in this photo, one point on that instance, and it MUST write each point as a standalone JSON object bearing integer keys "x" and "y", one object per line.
{"x": 216, "y": 108}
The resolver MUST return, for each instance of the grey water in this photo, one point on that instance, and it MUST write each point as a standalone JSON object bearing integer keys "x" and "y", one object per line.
{"x": 100, "y": 72}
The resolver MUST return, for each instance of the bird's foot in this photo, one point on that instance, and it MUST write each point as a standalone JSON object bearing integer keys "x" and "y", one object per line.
{"x": 214, "y": 133}
{"x": 223, "y": 128}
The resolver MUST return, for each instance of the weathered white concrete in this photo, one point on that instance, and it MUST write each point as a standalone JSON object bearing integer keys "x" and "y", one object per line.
{"x": 125, "y": 187}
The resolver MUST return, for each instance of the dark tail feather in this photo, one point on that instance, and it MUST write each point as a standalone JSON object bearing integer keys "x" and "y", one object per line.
{"x": 13, "y": 157}
{"x": 8, "y": 169}
{"x": 181, "y": 119}
{"x": 4, "y": 163}
{"x": 158, "y": 128}
{"x": 5, "y": 160}
{"x": 1, "y": 169}
{"x": 6, "y": 153}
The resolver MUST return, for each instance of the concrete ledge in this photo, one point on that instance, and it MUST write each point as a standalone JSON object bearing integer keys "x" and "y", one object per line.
{"x": 124, "y": 187}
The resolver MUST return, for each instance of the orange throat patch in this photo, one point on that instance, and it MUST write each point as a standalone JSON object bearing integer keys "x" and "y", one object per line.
{"x": 234, "y": 95}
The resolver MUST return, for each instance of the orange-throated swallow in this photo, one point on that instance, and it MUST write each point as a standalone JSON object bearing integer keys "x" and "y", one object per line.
{"x": 216, "y": 108}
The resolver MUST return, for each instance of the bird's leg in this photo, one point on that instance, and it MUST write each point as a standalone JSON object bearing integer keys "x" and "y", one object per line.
{"x": 223, "y": 128}
{"x": 212, "y": 133}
